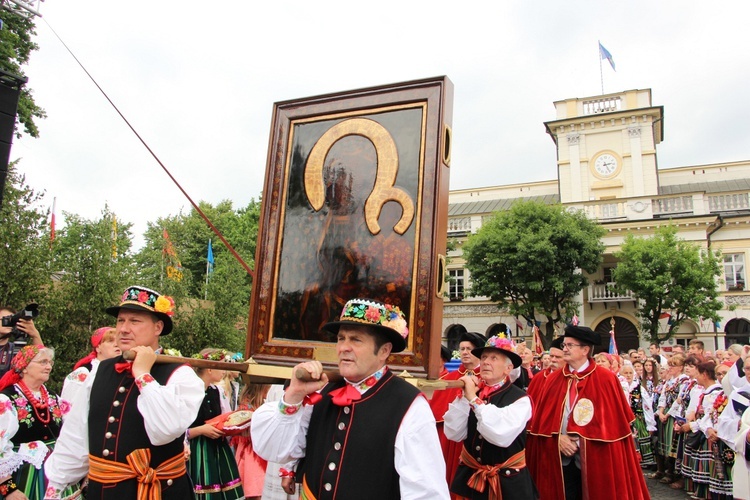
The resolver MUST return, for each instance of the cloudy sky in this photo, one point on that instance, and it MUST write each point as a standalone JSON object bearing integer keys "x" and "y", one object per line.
{"x": 198, "y": 81}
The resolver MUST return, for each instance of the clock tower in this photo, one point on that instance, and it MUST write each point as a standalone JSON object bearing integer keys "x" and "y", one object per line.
{"x": 606, "y": 146}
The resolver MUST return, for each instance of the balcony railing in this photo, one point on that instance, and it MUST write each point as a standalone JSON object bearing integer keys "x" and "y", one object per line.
{"x": 672, "y": 205}
{"x": 728, "y": 202}
{"x": 459, "y": 224}
{"x": 605, "y": 292}
{"x": 606, "y": 105}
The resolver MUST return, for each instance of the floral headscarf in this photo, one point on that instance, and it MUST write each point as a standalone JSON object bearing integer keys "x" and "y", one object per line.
{"x": 19, "y": 362}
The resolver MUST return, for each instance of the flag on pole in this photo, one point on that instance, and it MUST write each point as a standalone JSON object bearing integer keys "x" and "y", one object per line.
{"x": 210, "y": 259}
{"x": 665, "y": 315}
{"x": 604, "y": 53}
{"x": 174, "y": 266}
{"x": 537, "y": 346}
{"x": 52, "y": 221}
{"x": 612, "y": 343}
{"x": 519, "y": 324}
{"x": 574, "y": 321}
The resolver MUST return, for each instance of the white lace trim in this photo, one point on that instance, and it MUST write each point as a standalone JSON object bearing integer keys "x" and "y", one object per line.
{"x": 35, "y": 454}
{"x": 9, "y": 465}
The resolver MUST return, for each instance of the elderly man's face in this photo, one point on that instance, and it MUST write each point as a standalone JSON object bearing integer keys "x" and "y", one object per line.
{"x": 494, "y": 366}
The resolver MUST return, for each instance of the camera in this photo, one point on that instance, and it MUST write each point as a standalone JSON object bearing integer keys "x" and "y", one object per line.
{"x": 31, "y": 311}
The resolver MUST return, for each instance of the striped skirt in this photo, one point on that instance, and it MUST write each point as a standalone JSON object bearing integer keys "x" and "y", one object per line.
{"x": 720, "y": 472}
{"x": 213, "y": 470}
{"x": 666, "y": 445}
{"x": 644, "y": 441}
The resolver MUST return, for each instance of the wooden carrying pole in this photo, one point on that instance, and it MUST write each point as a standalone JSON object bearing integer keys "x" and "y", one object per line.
{"x": 269, "y": 373}
{"x": 194, "y": 362}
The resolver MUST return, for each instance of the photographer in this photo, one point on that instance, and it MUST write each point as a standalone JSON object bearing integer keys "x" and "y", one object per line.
{"x": 13, "y": 338}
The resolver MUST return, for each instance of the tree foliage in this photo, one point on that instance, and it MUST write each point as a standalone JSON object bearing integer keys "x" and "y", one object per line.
{"x": 529, "y": 260}
{"x": 213, "y": 313}
{"x": 16, "y": 46}
{"x": 668, "y": 275}
{"x": 91, "y": 267}
{"x": 24, "y": 243}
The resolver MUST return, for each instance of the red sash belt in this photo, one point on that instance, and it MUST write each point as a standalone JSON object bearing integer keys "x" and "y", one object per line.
{"x": 149, "y": 480}
{"x": 489, "y": 473}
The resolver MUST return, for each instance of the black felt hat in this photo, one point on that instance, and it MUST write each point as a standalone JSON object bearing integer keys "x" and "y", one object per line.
{"x": 476, "y": 339}
{"x": 557, "y": 343}
{"x": 584, "y": 334}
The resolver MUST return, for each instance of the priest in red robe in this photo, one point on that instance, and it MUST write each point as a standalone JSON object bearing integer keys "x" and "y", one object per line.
{"x": 442, "y": 398}
{"x": 580, "y": 444}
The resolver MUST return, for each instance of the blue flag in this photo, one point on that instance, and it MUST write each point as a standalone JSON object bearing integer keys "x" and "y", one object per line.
{"x": 604, "y": 53}
{"x": 210, "y": 258}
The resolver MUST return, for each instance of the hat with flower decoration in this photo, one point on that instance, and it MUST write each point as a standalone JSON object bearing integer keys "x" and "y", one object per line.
{"x": 384, "y": 318}
{"x": 138, "y": 298}
{"x": 504, "y": 345}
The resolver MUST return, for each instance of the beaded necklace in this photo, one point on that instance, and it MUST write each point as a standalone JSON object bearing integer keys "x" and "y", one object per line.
{"x": 36, "y": 405}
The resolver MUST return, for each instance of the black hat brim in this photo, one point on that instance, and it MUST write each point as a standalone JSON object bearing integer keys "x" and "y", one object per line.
{"x": 115, "y": 311}
{"x": 515, "y": 358}
{"x": 396, "y": 340}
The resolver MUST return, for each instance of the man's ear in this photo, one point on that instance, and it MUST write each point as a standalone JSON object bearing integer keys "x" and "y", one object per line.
{"x": 386, "y": 349}
{"x": 159, "y": 326}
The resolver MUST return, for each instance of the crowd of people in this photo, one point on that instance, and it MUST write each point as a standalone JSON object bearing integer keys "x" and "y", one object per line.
{"x": 567, "y": 423}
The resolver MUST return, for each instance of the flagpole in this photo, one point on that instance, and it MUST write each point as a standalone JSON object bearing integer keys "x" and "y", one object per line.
{"x": 601, "y": 72}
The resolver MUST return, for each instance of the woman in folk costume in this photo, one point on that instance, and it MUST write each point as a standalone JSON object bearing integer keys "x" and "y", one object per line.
{"x": 667, "y": 443}
{"x": 736, "y": 416}
{"x": 644, "y": 424}
{"x": 721, "y": 443}
{"x": 252, "y": 467}
{"x": 687, "y": 405}
{"x": 212, "y": 465}
{"x": 698, "y": 451}
{"x": 104, "y": 346}
{"x": 30, "y": 419}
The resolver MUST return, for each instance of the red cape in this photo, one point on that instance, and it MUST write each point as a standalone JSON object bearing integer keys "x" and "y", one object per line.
{"x": 439, "y": 405}
{"x": 537, "y": 384}
{"x": 610, "y": 467}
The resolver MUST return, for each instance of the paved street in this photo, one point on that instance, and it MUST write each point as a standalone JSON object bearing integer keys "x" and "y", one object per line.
{"x": 663, "y": 491}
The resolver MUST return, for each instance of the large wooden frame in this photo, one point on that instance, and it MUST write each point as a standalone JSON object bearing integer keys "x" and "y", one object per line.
{"x": 355, "y": 204}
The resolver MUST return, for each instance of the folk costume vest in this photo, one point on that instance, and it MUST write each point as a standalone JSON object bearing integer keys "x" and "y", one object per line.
{"x": 351, "y": 449}
{"x": 116, "y": 428}
{"x": 514, "y": 483}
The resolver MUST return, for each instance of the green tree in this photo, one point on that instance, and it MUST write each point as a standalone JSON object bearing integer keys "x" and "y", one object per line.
{"x": 93, "y": 266}
{"x": 25, "y": 245}
{"x": 212, "y": 314}
{"x": 670, "y": 275}
{"x": 16, "y": 46}
{"x": 529, "y": 260}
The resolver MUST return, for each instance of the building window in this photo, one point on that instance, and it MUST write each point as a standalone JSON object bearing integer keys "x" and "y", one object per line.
{"x": 734, "y": 271}
{"x": 456, "y": 288}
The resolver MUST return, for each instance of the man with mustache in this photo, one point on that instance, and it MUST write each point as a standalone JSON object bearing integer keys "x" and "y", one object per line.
{"x": 370, "y": 435}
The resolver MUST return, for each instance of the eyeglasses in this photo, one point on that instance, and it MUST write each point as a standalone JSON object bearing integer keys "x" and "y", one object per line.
{"x": 568, "y": 345}
{"x": 45, "y": 362}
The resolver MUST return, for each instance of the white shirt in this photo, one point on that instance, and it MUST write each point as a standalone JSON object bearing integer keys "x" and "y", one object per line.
{"x": 168, "y": 410}
{"x": 499, "y": 426}
{"x": 418, "y": 458}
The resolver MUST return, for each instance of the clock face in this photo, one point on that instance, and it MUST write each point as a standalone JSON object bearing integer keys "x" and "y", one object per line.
{"x": 605, "y": 164}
